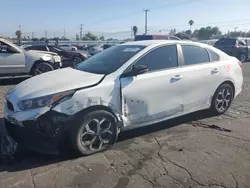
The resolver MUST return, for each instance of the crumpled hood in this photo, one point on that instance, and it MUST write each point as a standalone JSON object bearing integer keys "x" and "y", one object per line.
{"x": 53, "y": 82}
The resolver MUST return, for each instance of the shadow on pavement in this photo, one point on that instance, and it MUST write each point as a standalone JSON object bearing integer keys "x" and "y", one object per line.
{"x": 12, "y": 80}
{"x": 28, "y": 160}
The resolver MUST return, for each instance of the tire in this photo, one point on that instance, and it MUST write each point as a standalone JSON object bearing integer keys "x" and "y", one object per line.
{"x": 42, "y": 67}
{"x": 222, "y": 99}
{"x": 87, "y": 140}
{"x": 243, "y": 57}
{"x": 76, "y": 60}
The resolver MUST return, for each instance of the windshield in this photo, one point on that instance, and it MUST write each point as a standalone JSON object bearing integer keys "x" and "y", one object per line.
{"x": 109, "y": 60}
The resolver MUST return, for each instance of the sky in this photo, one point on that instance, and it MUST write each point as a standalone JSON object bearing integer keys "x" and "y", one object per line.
{"x": 115, "y": 17}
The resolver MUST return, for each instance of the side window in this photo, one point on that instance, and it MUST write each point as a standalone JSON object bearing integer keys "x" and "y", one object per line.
{"x": 41, "y": 48}
{"x": 160, "y": 58}
{"x": 194, "y": 55}
{"x": 3, "y": 47}
{"x": 213, "y": 56}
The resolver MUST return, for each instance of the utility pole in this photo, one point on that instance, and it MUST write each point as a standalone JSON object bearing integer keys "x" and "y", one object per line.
{"x": 19, "y": 27}
{"x": 54, "y": 34}
{"x": 146, "y": 20}
{"x": 46, "y": 34}
{"x": 32, "y": 35}
{"x": 64, "y": 31}
{"x": 235, "y": 29}
{"x": 131, "y": 32}
{"x": 81, "y": 28}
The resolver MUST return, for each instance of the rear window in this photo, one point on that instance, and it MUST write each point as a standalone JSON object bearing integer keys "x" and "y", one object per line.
{"x": 143, "y": 37}
{"x": 226, "y": 41}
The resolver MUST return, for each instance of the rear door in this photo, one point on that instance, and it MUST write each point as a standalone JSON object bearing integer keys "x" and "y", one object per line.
{"x": 201, "y": 73}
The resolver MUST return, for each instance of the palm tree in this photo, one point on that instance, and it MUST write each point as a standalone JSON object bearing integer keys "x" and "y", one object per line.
{"x": 191, "y": 22}
{"x": 135, "y": 30}
{"x": 19, "y": 36}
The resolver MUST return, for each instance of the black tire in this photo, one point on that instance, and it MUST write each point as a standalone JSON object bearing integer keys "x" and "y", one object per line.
{"x": 80, "y": 137}
{"x": 243, "y": 57}
{"x": 42, "y": 67}
{"x": 76, "y": 60}
{"x": 217, "y": 107}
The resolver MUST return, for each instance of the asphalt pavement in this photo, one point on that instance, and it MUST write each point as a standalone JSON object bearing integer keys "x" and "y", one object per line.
{"x": 191, "y": 151}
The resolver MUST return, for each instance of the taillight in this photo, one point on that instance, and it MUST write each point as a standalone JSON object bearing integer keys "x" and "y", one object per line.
{"x": 240, "y": 64}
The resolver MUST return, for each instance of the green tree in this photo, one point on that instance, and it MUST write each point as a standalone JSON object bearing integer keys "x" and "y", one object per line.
{"x": 135, "y": 30}
{"x": 102, "y": 38}
{"x": 90, "y": 36}
{"x": 191, "y": 22}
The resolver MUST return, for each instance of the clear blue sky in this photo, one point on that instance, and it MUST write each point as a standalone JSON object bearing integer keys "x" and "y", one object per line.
{"x": 119, "y": 15}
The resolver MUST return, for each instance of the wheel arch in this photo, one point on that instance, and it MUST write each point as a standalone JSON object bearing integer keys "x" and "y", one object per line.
{"x": 36, "y": 63}
{"x": 105, "y": 108}
{"x": 227, "y": 82}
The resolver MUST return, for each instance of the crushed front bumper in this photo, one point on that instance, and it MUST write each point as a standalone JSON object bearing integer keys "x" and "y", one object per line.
{"x": 47, "y": 134}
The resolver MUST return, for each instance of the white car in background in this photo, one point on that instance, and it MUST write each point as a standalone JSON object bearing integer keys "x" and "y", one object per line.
{"x": 68, "y": 47}
{"x": 127, "y": 86}
{"x": 15, "y": 61}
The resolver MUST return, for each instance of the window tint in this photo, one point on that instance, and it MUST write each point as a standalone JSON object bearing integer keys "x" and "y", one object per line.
{"x": 194, "y": 55}
{"x": 160, "y": 58}
{"x": 143, "y": 37}
{"x": 213, "y": 56}
{"x": 3, "y": 48}
{"x": 160, "y": 37}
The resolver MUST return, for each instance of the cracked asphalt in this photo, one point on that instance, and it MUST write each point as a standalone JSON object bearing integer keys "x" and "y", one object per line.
{"x": 191, "y": 151}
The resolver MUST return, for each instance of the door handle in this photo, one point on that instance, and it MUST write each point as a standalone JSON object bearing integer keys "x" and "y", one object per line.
{"x": 176, "y": 77}
{"x": 215, "y": 70}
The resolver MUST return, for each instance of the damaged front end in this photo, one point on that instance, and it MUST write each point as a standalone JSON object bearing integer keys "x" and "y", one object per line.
{"x": 44, "y": 134}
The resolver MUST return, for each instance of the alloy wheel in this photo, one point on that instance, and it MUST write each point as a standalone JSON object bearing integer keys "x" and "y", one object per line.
{"x": 97, "y": 134}
{"x": 223, "y": 99}
{"x": 42, "y": 68}
{"x": 243, "y": 57}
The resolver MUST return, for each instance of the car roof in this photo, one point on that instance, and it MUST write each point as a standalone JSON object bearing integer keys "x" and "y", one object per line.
{"x": 159, "y": 42}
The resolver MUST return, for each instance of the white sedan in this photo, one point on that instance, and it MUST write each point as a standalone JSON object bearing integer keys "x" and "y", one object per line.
{"x": 129, "y": 85}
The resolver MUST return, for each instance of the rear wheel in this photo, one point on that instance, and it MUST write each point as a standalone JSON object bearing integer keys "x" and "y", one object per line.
{"x": 42, "y": 68}
{"x": 243, "y": 57}
{"x": 222, "y": 99}
{"x": 95, "y": 133}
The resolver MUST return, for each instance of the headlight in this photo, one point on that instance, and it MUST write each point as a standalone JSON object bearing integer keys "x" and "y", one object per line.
{"x": 49, "y": 100}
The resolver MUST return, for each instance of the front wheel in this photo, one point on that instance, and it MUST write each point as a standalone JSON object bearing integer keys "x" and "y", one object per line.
{"x": 96, "y": 132}
{"x": 42, "y": 68}
{"x": 222, "y": 99}
{"x": 76, "y": 60}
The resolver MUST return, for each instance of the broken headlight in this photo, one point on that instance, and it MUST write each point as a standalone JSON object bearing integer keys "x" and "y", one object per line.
{"x": 49, "y": 100}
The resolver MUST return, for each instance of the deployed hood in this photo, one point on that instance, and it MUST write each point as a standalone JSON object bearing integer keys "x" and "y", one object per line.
{"x": 54, "y": 82}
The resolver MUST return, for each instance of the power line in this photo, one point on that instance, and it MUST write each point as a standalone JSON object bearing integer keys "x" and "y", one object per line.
{"x": 137, "y": 12}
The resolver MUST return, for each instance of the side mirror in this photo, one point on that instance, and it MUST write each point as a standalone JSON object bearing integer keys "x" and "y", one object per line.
{"x": 136, "y": 70}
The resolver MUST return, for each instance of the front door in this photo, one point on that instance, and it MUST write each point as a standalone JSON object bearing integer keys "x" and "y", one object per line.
{"x": 11, "y": 62}
{"x": 156, "y": 94}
